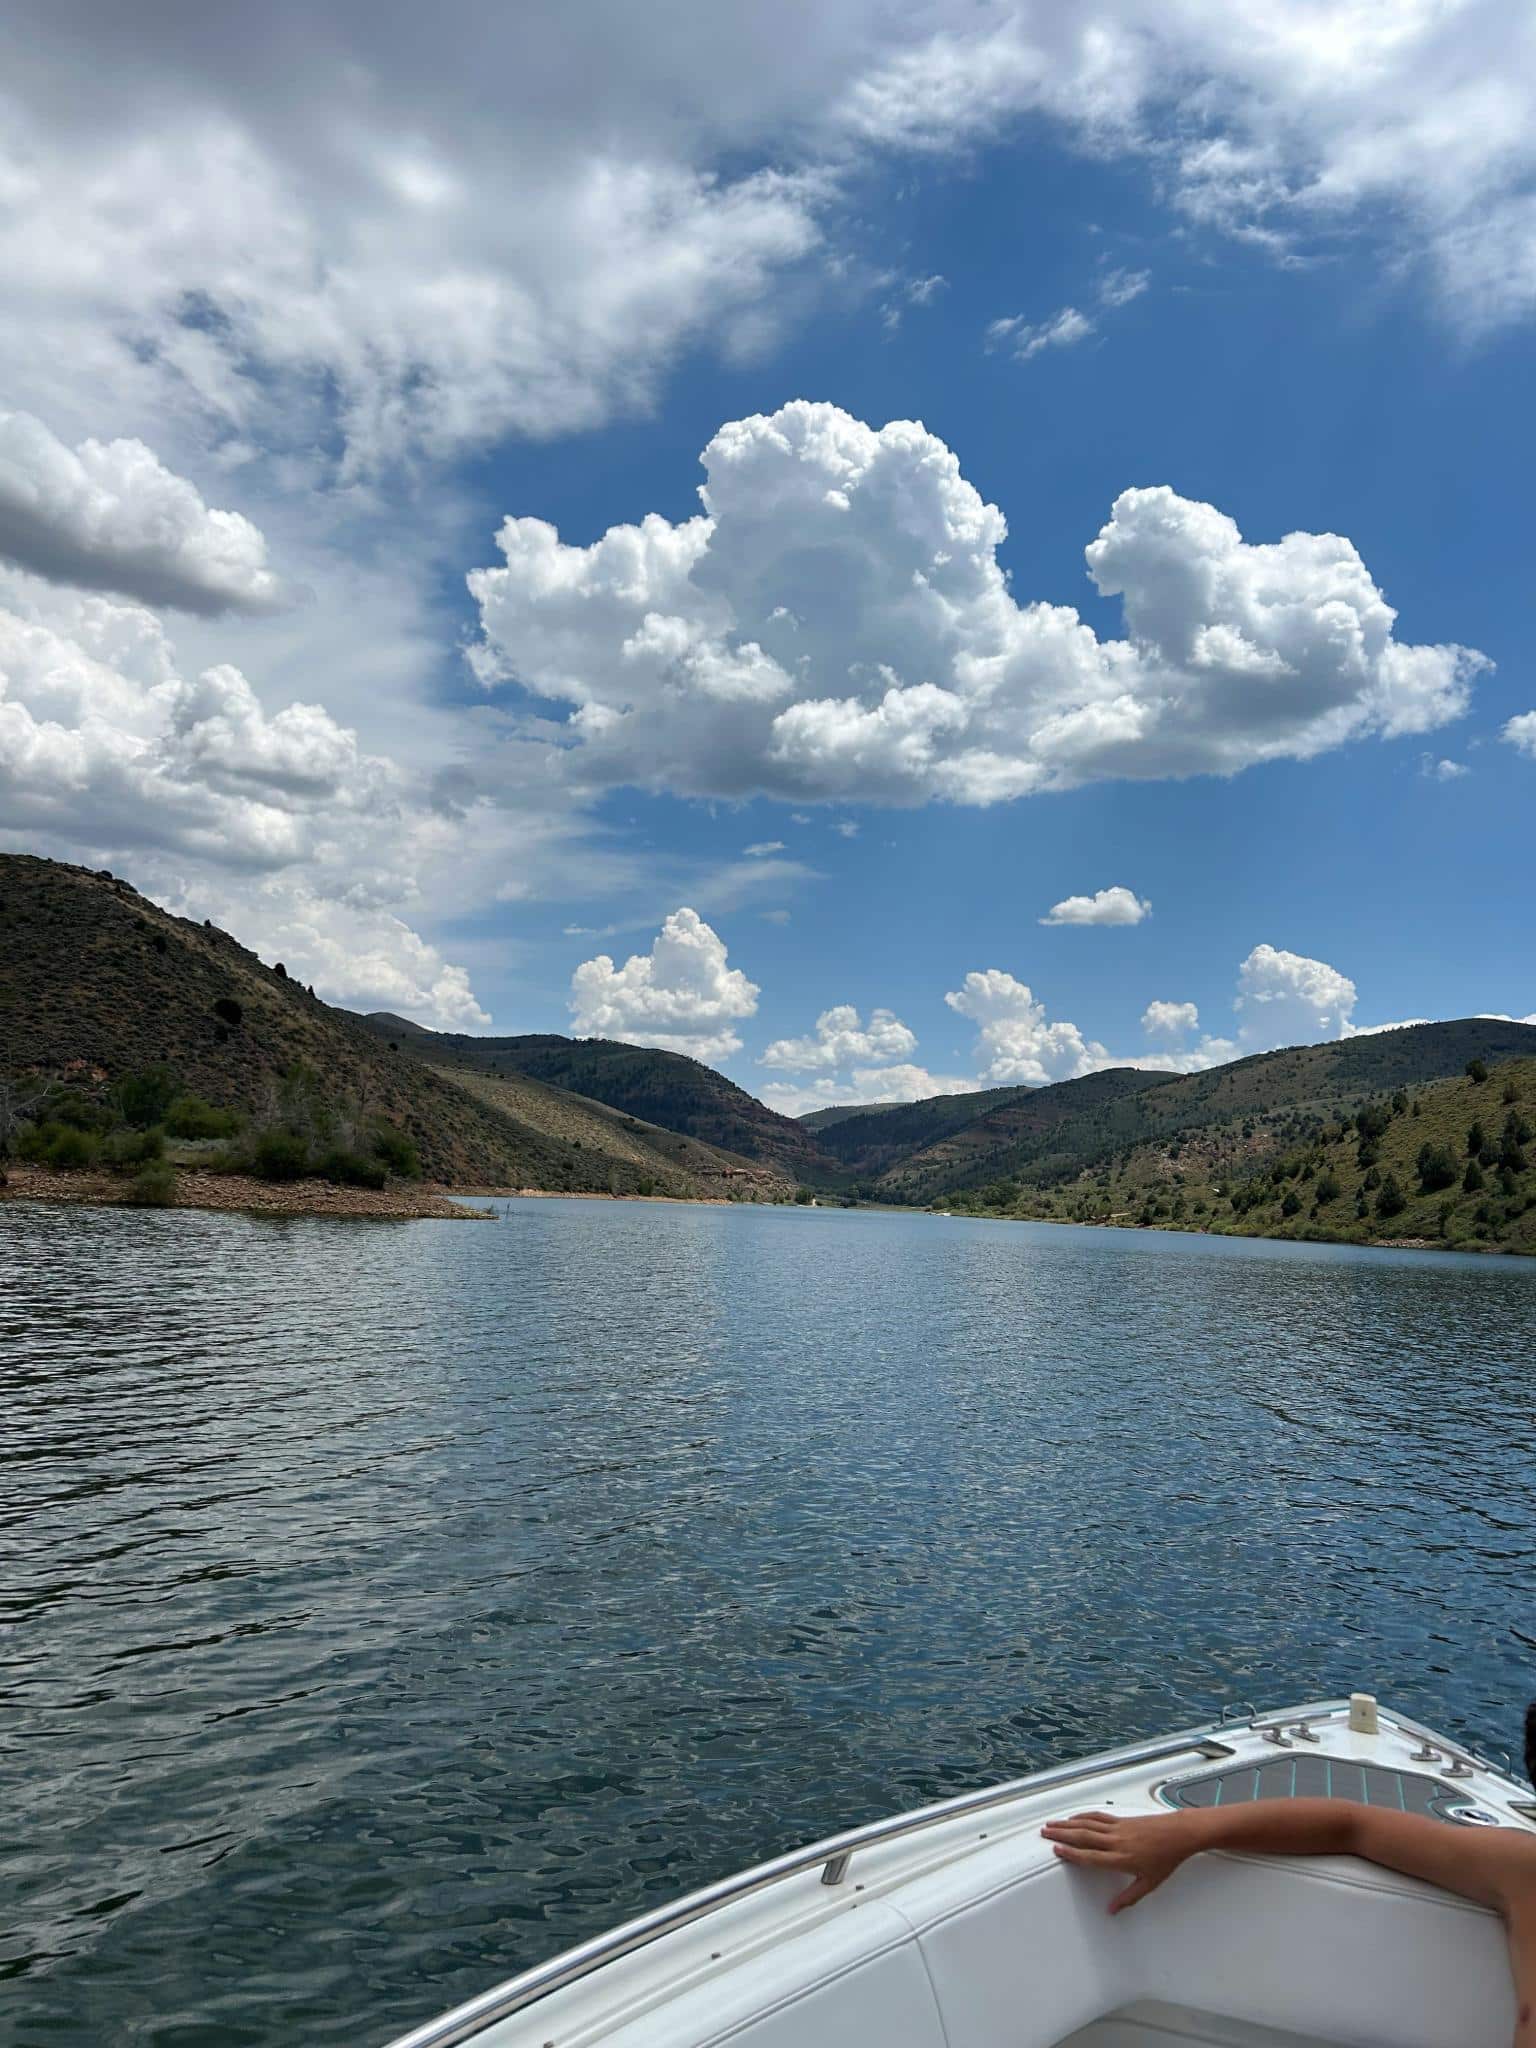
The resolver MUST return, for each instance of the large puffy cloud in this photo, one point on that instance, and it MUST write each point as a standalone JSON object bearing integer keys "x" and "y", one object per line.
{"x": 682, "y": 995}
{"x": 1169, "y": 1020}
{"x": 1520, "y": 733}
{"x": 1016, "y": 1042}
{"x": 276, "y": 824}
{"x": 841, "y": 1039}
{"x": 416, "y": 241}
{"x": 1416, "y": 117}
{"x": 836, "y": 622}
{"x": 1287, "y": 999}
{"x": 864, "y": 1088}
{"x": 514, "y": 220}
{"x": 1282, "y": 999}
{"x": 1105, "y": 906}
{"x": 109, "y": 515}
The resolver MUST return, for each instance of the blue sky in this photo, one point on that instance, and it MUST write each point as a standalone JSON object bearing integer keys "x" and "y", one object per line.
{"x": 1273, "y": 272}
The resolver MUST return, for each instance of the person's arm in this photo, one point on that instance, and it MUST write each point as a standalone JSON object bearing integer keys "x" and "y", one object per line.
{"x": 1495, "y": 1866}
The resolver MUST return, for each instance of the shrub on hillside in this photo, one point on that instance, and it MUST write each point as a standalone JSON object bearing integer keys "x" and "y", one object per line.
{"x": 228, "y": 1010}
{"x": 154, "y": 1187}
{"x": 56, "y": 1144}
{"x": 351, "y": 1169}
{"x": 1437, "y": 1167}
{"x": 1391, "y": 1201}
{"x": 144, "y": 1099}
{"x": 1477, "y": 1070}
{"x": 279, "y": 1155}
{"x": 133, "y": 1148}
{"x": 191, "y": 1117}
{"x": 80, "y": 1111}
{"x": 397, "y": 1151}
{"x": 1327, "y": 1189}
{"x": 1472, "y": 1179}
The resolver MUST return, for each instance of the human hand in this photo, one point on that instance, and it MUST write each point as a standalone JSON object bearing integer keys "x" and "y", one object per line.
{"x": 1150, "y": 1848}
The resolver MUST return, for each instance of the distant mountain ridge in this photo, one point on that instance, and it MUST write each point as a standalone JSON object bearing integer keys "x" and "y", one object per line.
{"x": 664, "y": 1088}
{"x": 97, "y": 984}
{"x": 1264, "y": 1101}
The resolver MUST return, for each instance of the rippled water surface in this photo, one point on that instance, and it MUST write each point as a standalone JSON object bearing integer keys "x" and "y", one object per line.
{"x": 387, "y": 1606}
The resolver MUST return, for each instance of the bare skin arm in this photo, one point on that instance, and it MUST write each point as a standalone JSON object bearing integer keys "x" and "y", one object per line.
{"x": 1495, "y": 1866}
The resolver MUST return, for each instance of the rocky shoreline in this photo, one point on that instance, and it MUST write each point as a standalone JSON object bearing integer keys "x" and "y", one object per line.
{"x": 400, "y": 1201}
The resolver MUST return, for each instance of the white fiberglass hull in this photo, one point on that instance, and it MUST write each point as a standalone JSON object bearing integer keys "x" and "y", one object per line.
{"x": 956, "y": 1927}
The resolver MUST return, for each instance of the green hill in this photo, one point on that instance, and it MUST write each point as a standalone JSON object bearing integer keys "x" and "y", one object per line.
{"x": 823, "y": 1119}
{"x": 1450, "y": 1162}
{"x": 1244, "y": 1111}
{"x": 664, "y": 1088}
{"x": 872, "y": 1143}
{"x": 99, "y": 985}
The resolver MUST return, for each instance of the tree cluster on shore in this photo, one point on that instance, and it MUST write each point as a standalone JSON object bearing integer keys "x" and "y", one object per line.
{"x": 145, "y": 1125}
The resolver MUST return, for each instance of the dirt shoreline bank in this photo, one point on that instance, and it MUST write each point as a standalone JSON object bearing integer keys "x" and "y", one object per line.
{"x": 402, "y": 1201}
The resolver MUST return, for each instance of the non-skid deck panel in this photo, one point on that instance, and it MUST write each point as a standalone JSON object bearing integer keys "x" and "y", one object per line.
{"x": 1302, "y": 1776}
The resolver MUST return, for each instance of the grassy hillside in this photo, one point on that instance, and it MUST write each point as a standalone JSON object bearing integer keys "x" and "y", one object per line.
{"x": 663, "y": 1088}
{"x": 823, "y": 1119}
{"x": 1237, "y": 1114}
{"x": 1451, "y": 1163}
{"x": 99, "y": 985}
{"x": 1034, "y": 1129}
{"x": 870, "y": 1144}
{"x": 673, "y": 1163}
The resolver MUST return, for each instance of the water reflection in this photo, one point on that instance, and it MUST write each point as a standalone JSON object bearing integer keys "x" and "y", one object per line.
{"x": 387, "y": 1607}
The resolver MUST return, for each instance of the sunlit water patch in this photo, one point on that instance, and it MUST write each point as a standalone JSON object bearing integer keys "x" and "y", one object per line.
{"x": 389, "y": 1606}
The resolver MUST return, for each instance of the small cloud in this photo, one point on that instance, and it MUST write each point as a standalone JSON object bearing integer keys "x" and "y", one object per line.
{"x": 775, "y": 917}
{"x": 847, "y": 827}
{"x": 1521, "y": 733}
{"x": 1023, "y": 340}
{"x": 762, "y": 847}
{"x": 1442, "y": 771}
{"x": 799, "y": 818}
{"x": 1119, "y": 287}
{"x": 1107, "y": 906}
{"x": 1170, "y": 1020}
{"x": 912, "y": 291}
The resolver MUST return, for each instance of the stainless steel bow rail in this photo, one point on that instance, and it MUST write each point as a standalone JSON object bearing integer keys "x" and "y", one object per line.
{"x": 833, "y": 1855}
{"x": 836, "y": 1851}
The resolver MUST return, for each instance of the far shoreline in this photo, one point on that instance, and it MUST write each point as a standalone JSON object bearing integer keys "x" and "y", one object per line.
{"x": 412, "y": 1201}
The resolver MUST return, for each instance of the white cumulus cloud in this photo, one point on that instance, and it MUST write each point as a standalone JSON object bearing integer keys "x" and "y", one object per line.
{"x": 1017, "y": 1044}
{"x": 841, "y": 1039}
{"x": 109, "y": 515}
{"x": 1520, "y": 733}
{"x": 1287, "y": 999}
{"x": 1169, "y": 1020}
{"x": 835, "y": 623}
{"x": 276, "y": 823}
{"x": 682, "y": 995}
{"x": 1104, "y": 906}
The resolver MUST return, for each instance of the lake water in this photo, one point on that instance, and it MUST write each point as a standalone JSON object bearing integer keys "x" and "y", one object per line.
{"x": 389, "y": 1606}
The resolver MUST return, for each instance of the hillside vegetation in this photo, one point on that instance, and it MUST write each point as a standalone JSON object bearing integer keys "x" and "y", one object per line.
{"x": 1231, "y": 1117}
{"x": 103, "y": 994}
{"x": 1450, "y": 1162}
{"x": 866, "y": 1141}
{"x": 662, "y": 1088}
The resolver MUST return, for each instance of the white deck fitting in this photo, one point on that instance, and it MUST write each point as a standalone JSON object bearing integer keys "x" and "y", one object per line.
{"x": 962, "y": 1930}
